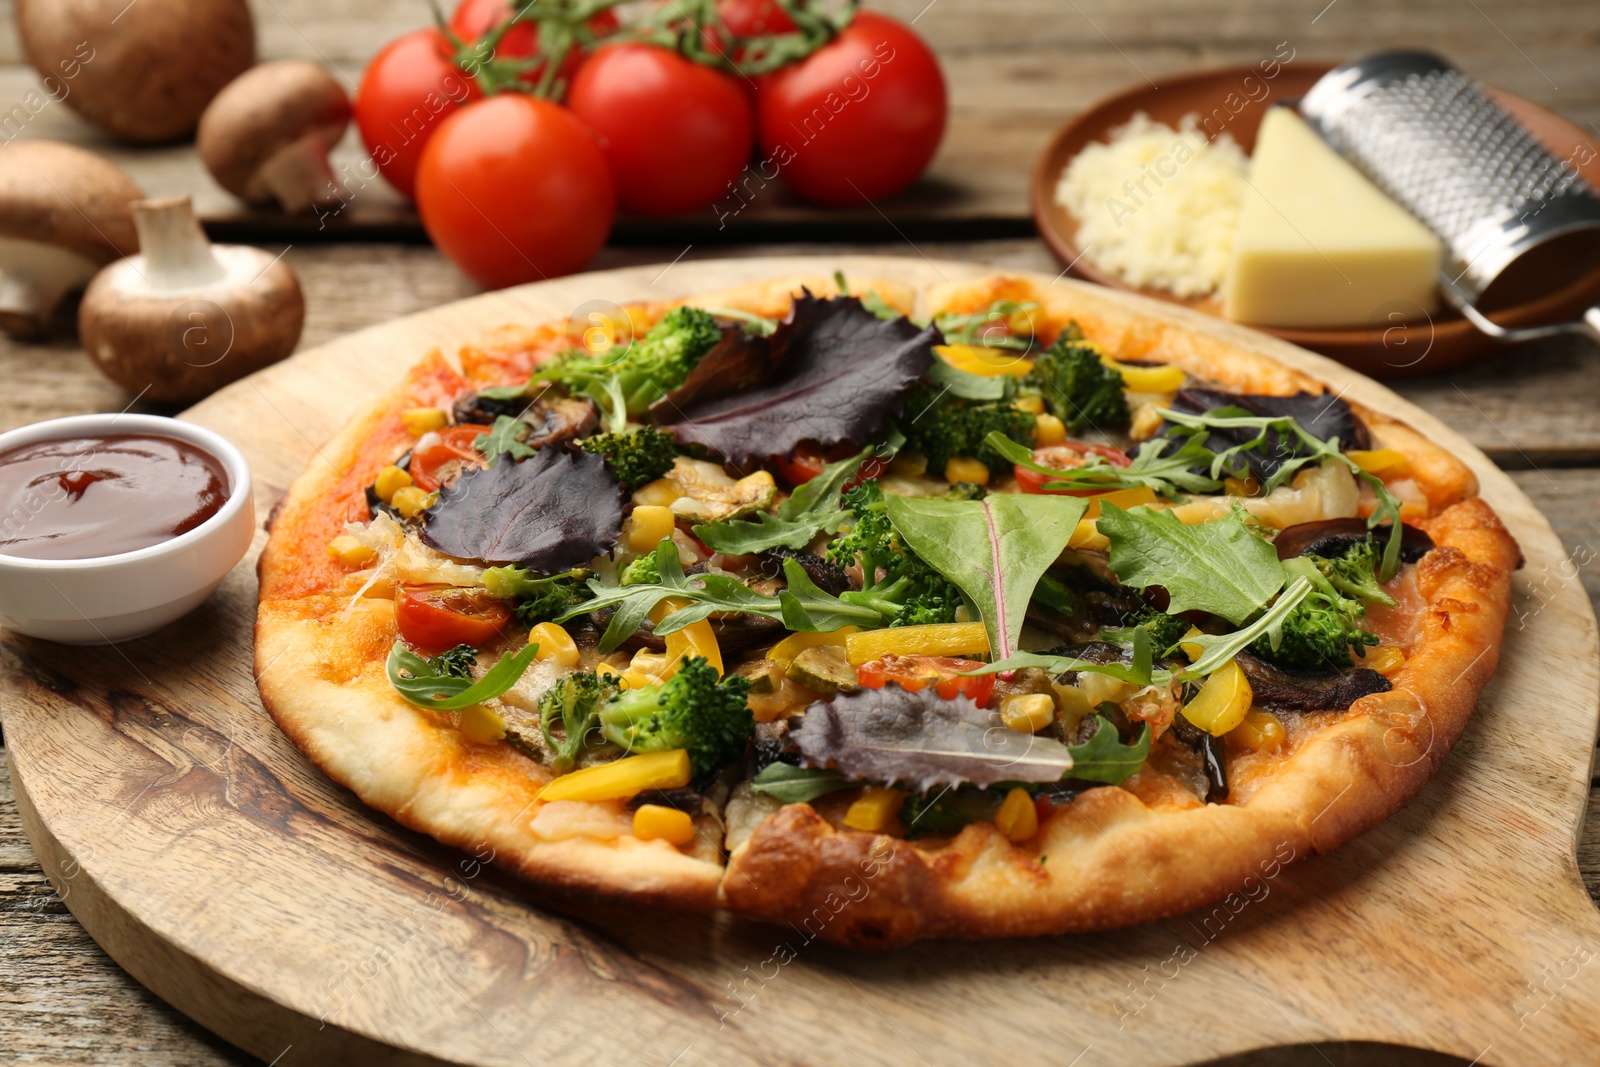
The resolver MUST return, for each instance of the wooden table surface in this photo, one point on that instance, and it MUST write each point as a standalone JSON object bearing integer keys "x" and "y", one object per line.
{"x": 1017, "y": 68}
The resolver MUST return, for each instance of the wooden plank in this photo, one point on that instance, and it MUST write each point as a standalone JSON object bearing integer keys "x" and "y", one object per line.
{"x": 1015, "y": 72}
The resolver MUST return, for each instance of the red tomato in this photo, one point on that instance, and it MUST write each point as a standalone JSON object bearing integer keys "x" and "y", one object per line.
{"x": 674, "y": 132}
{"x": 754, "y": 18}
{"x": 859, "y": 118}
{"x": 475, "y": 19}
{"x": 1063, "y": 457}
{"x": 808, "y": 459}
{"x": 433, "y": 618}
{"x": 919, "y": 672}
{"x": 440, "y": 461}
{"x": 407, "y": 92}
{"x": 514, "y": 189}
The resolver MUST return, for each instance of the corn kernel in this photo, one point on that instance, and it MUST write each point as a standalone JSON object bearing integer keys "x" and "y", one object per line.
{"x": 1146, "y": 423}
{"x": 1033, "y": 405}
{"x": 1028, "y": 713}
{"x": 1048, "y": 430}
{"x": 874, "y": 810}
{"x": 648, "y": 526}
{"x": 351, "y": 552}
{"x": 411, "y": 499}
{"x": 1379, "y": 460}
{"x": 909, "y": 464}
{"x": 555, "y": 645}
{"x": 1260, "y": 731}
{"x": 1385, "y": 659}
{"x": 482, "y": 725}
{"x": 659, "y": 493}
{"x": 390, "y": 480}
{"x": 419, "y": 421}
{"x": 1017, "y": 818}
{"x": 653, "y": 822}
{"x": 962, "y": 469}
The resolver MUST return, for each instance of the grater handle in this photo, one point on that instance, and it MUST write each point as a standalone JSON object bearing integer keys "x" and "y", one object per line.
{"x": 1587, "y": 326}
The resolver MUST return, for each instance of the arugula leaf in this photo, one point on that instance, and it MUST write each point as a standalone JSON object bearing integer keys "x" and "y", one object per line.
{"x": 1104, "y": 758}
{"x": 1217, "y": 649}
{"x": 502, "y": 438}
{"x": 810, "y": 608}
{"x": 1311, "y": 449}
{"x": 1140, "y": 672}
{"x": 988, "y": 326}
{"x": 813, "y": 508}
{"x": 797, "y": 785}
{"x": 1222, "y": 567}
{"x": 416, "y": 680}
{"x": 923, "y": 741}
{"x": 1168, "y": 473}
{"x": 994, "y": 550}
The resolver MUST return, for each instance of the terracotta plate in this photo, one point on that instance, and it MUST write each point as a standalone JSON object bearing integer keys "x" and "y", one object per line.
{"x": 1235, "y": 99}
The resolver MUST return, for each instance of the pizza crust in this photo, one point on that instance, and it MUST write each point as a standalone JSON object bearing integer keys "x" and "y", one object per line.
{"x": 1107, "y": 859}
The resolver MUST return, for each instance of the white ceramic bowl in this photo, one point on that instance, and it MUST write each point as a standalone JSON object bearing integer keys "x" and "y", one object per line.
{"x": 106, "y": 599}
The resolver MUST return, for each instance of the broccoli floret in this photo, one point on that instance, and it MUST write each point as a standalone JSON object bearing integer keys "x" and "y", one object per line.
{"x": 1355, "y": 574}
{"x": 1165, "y": 630}
{"x": 967, "y": 491}
{"x": 691, "y": 710}
{"x": 1077, "y": 387}
{"x": 642, "y": 571}
{"x": 896, "y": 583}
{"x": 455, "y": 662}
{"x": 538, "y": 599}
{"x": 576, "y": 700}
{"x": 648, "y": 369}
{"x": 943, "y": 427}
{"x": 1317, "y": 635}
{"x": 637, "y": 457}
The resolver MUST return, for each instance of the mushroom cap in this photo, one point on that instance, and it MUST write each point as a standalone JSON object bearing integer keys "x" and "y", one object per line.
{"x": 143, "y": 71}
{"x": 264, "y": 110}
{"x": 59, "y": 194}
{"x": 178, "y": 347}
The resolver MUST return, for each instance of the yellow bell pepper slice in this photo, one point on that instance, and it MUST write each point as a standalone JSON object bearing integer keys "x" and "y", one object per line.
{"x": 933, "y": 639}
{"x": 989, "y": 362}
{"x": 623, "y": 778}
{"x": 1223, "y": 701}
{"x": 786, "y": 650}
{"x": 652, "y": 822}
{"x": 1378, "y": 460}
{"x": 1122, "y": 498}
{"x": 1087, "y": 535}
{"x": 696, "y": 639}
{"x": 1164, "y": 379}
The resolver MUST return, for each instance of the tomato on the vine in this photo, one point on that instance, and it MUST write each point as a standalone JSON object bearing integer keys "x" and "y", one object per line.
{"x": 754, "y": 18}
{"x": 440, "y": 457}
{"x": 407, "y": 92}
{"x": 514, "y": 189}
{"x": 859, "y": 118}
{"x": 475, "y": 19}
{"x": 944, "y": 673}
{"x": 674, "y": 132}
{"x": 434, "y": 618}
{"x": 1064, "y": 457}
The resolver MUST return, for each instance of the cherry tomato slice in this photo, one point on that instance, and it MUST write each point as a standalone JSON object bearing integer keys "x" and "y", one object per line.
{"x": 434, "y": 618}
{"x": 1065, "y": 456}
{"x": 915, "y": 673}
{"x": 807, "y": 461}
{"x": 441, "y": 462}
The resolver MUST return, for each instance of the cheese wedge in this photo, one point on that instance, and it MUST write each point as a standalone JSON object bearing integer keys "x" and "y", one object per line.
{"x": 1320, "y": 245}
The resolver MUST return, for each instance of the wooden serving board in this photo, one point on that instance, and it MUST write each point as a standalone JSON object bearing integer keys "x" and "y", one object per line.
{"x": 222, "y": 870}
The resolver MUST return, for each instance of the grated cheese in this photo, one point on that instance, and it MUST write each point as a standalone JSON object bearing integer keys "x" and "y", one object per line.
{"x": 1156, "y": 206}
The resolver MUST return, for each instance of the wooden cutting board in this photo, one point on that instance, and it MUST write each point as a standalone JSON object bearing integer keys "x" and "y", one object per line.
{"x": 224, "y": 872}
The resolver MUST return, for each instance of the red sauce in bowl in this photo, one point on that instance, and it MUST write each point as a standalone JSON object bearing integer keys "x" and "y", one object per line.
{"x": 98, "y": 496}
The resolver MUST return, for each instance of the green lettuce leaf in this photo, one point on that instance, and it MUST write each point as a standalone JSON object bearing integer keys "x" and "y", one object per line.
{"x": 1222, "y": 567}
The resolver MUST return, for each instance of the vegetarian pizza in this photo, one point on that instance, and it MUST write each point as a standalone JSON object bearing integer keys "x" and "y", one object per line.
{"x": 985, "y": 611}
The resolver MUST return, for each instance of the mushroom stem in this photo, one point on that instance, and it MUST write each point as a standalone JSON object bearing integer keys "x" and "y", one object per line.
{"x": 176, "y": 252}
{"x": 34, "y": 278}
{"x": 298, "y": 176}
